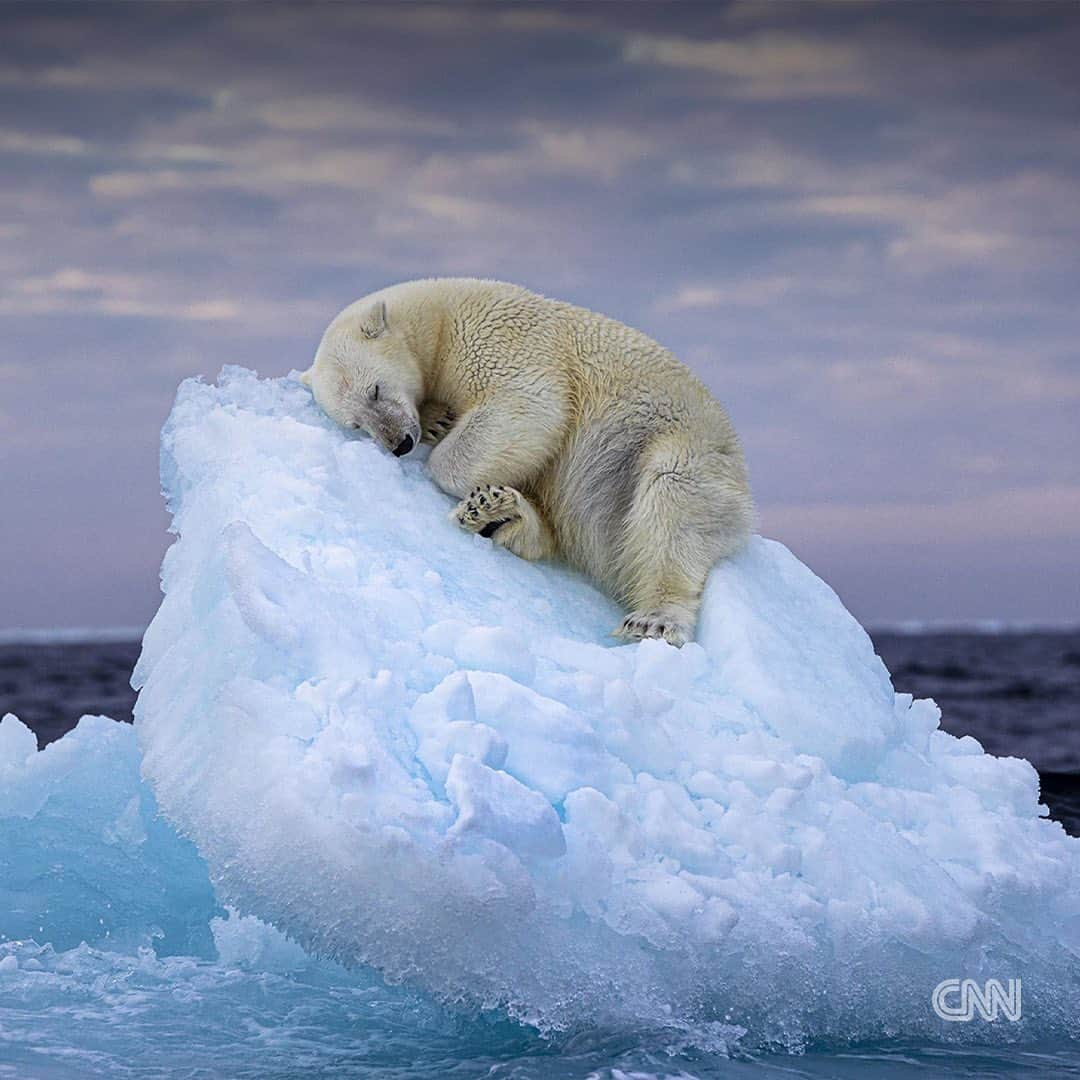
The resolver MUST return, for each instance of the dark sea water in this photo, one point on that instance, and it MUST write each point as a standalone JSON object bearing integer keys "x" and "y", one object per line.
{"x": 1017, "y": 693}
{"x": 106, "y": 1014}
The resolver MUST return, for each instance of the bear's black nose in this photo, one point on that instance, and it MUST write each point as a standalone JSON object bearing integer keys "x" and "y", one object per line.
{"x": 403, "y": 447}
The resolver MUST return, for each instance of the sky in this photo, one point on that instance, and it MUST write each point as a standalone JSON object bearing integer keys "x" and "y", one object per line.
{"x": 858, "y": 223}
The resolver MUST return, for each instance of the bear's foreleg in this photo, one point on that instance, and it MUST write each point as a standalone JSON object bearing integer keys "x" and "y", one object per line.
{"x": 505, "y": 515}
{"x": 505, "y": 441}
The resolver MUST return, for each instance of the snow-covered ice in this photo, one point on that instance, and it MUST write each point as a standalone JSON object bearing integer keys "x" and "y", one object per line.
{"x": 405, "y": 747}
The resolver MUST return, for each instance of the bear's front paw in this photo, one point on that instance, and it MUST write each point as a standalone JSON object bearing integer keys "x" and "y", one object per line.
{"x": 654, "y": 624}
{"x": 487, "y": 509}
{"x": 436, "y": 420}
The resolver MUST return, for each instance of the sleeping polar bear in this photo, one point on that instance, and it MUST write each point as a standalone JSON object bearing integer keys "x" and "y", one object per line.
{"x": 563, "y": 432}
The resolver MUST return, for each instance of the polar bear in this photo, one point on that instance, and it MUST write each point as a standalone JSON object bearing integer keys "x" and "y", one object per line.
{"x": 563, "y": 433}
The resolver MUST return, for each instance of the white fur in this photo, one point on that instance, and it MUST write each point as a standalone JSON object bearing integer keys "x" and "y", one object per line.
{"x": 564, "y": 433}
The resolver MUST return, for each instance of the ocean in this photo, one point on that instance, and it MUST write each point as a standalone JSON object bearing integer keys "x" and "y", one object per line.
{"x": 131, "y": 1013}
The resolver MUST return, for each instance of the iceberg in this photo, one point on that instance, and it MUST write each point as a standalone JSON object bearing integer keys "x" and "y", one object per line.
{"x": 405, "y": 748}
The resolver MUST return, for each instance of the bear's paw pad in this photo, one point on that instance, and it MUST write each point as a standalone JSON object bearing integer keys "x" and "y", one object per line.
{"x": 487, "y": 508}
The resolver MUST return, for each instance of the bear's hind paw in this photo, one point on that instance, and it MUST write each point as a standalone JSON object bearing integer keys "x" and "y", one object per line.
{"x": 664, "y": 625}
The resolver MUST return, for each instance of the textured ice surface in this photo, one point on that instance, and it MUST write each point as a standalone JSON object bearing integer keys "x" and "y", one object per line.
{"x": 117, "y": 961}
{"x": 238, "y": 1000}
{"x": 404, "y": 747}
{"x": 84, "y": 856}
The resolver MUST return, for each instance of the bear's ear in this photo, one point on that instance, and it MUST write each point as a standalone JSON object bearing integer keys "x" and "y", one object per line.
{"x": 305, "y": 378}
{"x": 373, "y": 324}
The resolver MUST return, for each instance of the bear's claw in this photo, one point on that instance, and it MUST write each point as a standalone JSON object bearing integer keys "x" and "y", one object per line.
{"x": 487, "y": 509}
{"x": 653, "y": 624}
{"x": 436, "y": 420}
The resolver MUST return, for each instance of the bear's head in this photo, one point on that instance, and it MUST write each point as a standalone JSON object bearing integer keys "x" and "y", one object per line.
{"x": 366, "y": 376}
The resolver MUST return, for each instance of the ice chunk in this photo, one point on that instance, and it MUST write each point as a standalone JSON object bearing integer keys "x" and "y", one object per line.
{"x": 494, "y": 804}
{"x": 401, "y": 745}
{"x": 17, "y": 743}
{"x": 84, "y": 855}
{"x": 244, "y": 941}
{"x": 491, "y": 648}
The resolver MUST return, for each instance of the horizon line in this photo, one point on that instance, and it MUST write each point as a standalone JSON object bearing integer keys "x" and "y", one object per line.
{"x": 104, "y": 635}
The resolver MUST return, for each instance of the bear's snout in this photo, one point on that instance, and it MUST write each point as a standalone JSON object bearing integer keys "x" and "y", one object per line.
{"x": 404, "y": 446}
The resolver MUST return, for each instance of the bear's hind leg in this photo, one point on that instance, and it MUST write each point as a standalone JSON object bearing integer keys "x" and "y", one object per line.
{"x": 505, "y": 515}
{"x": 690, "y": 509}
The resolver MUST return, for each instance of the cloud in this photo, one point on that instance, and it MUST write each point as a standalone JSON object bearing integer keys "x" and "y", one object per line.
{"x": 750, "y": 292}
{"x": 262, "y": 165}
{"x": 592, "y": 152}
{"x": 765, "y": 66}
{"x": 928, "y": 227}
{"x": 28, "y": 142}
{"x": 73, "y": 290}
{"x": 345, "y": 113}
{"x": 995, "y": 223}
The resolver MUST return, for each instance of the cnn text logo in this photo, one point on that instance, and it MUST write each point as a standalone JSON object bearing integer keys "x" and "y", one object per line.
{"x": 961, "y": 999}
